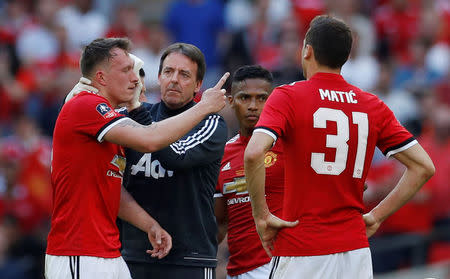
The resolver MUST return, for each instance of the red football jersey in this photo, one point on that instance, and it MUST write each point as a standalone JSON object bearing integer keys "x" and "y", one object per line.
{"x": 246, "y": 251}
{"x": 329, "y": 130}
{"x": 86, "y": 180}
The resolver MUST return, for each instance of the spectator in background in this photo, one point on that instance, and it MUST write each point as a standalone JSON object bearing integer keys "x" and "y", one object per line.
{"x": 21, "y": 256}
{"x": 150, "y": 51}
{"x": 37, "y": 43}
{"x": 396, "y": 23}
{"x": 13, "y": 90}
{"x": 199, "y": 22}
{"x": 305, "y": 11}
{"x": 127, "y": 23}
{"x": 436, "y": 138}
{"x": 362, "y": 68}
{"x": 82, "y": 23}
{"x": 401, "y": 101}
{"x": 287, "y": 69}
{"x": 13, "y": 19}
{"x": 25, "y": 157}
{"x": 350, "y": 11}
{"x": 416, "y": 75}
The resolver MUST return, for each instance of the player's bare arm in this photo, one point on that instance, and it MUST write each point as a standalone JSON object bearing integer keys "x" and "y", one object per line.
{"x": 220, "y": 210}
{"x": 131, "y": 212}
{"x": 267, "y": 225}
{"x": 419, "y": 169}
{"x": 154, "y": 137}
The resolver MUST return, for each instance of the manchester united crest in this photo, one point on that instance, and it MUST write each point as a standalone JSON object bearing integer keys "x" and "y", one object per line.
{"x": 270, "y": 159}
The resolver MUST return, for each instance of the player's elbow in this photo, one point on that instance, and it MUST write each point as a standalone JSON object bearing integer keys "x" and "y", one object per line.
{"x": 425, "y": 170}
{"x": 152, "y": 145}
{"x": 252, "y": 154}
{"x": 428, "y": 169}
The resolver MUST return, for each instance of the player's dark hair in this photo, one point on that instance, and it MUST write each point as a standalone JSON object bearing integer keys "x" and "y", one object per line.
{"x": 331, "y": 40}
{"x": 252, "y": 71}
{"x": 98, "y": 51}
{"x": 190, "y": 51}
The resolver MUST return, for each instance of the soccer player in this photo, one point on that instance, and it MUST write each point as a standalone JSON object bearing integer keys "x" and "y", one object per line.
{"x": 329, "y": 131}
{"x": 88, "y": 163}
{"x": 250, "y": 88}
{"x": 176, "y": 185}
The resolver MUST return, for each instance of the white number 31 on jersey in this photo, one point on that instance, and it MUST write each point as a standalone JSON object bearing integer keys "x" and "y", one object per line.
{"x": 339, "y": 141}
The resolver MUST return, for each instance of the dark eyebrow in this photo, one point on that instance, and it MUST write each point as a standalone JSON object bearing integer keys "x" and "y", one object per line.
{"x": 185, "y": 72}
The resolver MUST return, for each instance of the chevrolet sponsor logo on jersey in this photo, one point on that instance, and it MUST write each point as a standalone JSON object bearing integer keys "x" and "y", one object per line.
{"x": 238, "y": 186}
{"x": 120, "y": 162}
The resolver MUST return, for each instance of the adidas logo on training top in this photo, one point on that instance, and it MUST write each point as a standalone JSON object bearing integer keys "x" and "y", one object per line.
{"x": 226, "y": 167}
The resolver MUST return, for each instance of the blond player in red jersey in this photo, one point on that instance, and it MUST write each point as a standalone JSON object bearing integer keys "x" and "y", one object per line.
{"x": 88, "y": 163}
{"x": 329, "y": 129}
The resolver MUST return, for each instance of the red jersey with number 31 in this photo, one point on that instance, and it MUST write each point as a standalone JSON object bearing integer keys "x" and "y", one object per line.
{"x": 329, "y": 130}
{"x": 86, "y": 179}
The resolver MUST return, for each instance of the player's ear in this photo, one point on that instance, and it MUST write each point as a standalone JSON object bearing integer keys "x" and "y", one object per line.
{"x": 230, "y": 100}
{"x": 198, "y": 86}
{"x": 100, "y": 77}
{"x": 307, "y": 52}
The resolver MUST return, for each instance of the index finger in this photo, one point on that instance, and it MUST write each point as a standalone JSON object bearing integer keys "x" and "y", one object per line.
{"x": 222, "y": 81}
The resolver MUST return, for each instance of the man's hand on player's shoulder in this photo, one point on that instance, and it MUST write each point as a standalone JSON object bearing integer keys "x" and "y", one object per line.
{"x": 84, "y": 84}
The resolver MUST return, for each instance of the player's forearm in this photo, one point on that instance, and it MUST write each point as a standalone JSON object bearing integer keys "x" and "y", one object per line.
{"x": 220, "y": 211}
{"x": 221, "y": 232}
{"x": 133, "y": 213}
{"x": 161, "y": 134}
{"x": 255, "y": 174}
{"x": 158, "y": 135}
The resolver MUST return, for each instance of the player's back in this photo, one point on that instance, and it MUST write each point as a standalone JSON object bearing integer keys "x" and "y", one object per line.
{"x": 330, "y": 130}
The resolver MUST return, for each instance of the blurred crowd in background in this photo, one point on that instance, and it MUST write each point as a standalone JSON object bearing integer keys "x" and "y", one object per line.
{"x": 401, "y": 53}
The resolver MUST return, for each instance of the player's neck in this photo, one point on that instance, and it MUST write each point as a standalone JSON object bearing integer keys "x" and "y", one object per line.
{"x": 111, "y": 100}
{"x": 246, "y": 132}
{"x": 316, "y": 68}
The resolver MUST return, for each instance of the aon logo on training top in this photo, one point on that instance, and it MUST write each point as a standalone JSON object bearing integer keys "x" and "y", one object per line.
{"x": 150, "y": 168}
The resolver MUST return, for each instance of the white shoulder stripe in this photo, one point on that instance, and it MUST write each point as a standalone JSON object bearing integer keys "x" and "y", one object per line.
{"x": 400, "y": 149}
{"x": 181, "y": 146}
{"x": 233, "y": 139}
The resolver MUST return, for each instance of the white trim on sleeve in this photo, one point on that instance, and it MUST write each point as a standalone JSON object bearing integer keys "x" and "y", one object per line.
{"x": 400, "y": 149}
{"x": 262, "y": 130}
{"x": 109, "y": 127}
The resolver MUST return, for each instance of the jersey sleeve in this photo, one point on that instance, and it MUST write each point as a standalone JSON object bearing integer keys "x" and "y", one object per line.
{"x": 276, "y": 115}
{"x": 393, "y": 137}
{"x": 95, "y": 117}
{"x": 202, "y": 145}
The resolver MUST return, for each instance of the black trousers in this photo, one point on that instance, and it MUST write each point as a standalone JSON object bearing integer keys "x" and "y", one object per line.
{"x": 168, "y": 271}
